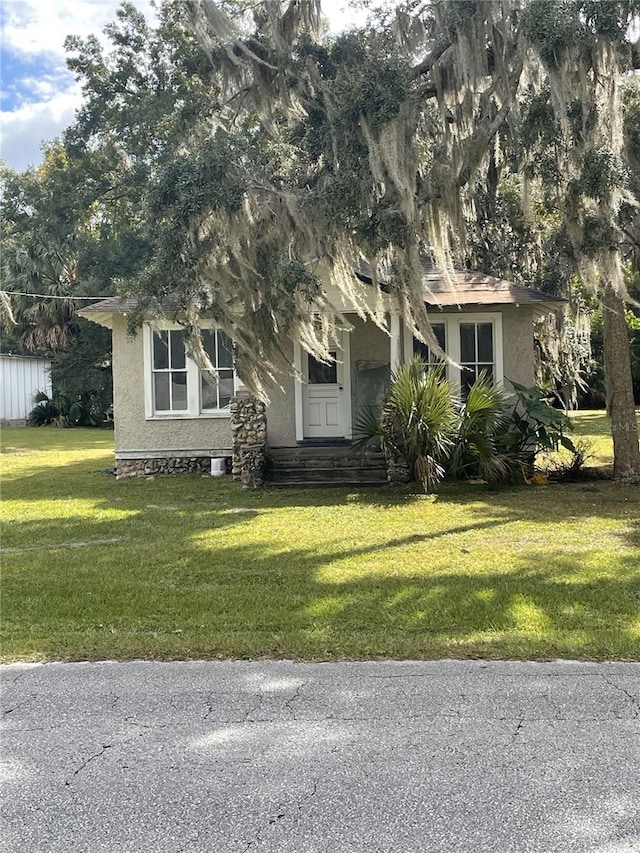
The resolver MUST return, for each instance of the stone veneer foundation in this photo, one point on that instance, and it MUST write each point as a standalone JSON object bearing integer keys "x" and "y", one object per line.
{"x": 167, "y": 465}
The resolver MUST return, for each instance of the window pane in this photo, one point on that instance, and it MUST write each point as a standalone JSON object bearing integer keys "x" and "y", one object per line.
{"x": 226, "y": 388}
{"x": 161, "y": 392}
{"x": 486, "y": 370}
{"x": 209, "y": 343}
{"x": 485, "y": 342}
{"x": 438, "y": 331}
{"x": 225, "y": 350}
{"x": 179, "y": 391}
{"x": 160, "y": 351}
{"x": 322, "y": 374}
{"x": 468, "y": 376}
{"x": 177, "y": 350}
{"x": 422, "y": 350}
{"x": 208, "y": 393}
{"x": 467, "y": 342}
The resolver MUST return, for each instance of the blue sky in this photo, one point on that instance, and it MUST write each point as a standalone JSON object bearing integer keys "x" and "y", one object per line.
{"x": 38, "y": 95}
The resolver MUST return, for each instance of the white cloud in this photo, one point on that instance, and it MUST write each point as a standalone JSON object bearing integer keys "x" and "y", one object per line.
{"x": 32, "y": 27}
{"x": 33, "y": 32}
{"x": 44, "y": 104}
{"x": 24, "y": 128}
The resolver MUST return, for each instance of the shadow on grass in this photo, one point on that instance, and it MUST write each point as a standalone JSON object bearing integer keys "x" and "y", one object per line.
{"x": 245, "y": 602}
{"x": 186, "y": 577}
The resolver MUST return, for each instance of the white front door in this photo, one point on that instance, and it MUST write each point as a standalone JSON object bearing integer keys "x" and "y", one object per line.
{"x": 323, "y": 397}
{"x": 323, "y": 393}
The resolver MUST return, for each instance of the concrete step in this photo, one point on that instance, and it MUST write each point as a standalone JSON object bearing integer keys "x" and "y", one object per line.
{"x": 328, "y": 464}
{"x": 331, "y": 466}
{"x": 334, "y": 475}
{"x": 324, "y": 484}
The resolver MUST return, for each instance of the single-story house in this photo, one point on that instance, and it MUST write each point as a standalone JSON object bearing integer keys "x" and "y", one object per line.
{"x": 167, "y": 417}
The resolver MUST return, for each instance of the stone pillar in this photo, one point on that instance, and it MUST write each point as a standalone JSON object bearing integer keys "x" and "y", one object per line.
{"x": 397, "y": 472}
{"x": 253, "y": 466}
{"x": 249, "y": 430}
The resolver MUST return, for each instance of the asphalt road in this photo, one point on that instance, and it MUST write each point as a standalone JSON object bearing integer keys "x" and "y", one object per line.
{"x": 450, "y": 756}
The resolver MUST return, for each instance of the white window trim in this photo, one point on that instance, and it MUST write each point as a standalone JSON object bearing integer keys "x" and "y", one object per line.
{"x": 192, "y": 412}
{"x": 452, "y": 324}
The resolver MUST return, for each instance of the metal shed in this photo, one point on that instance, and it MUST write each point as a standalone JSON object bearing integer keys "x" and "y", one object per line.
{"x": 20, "y": 378}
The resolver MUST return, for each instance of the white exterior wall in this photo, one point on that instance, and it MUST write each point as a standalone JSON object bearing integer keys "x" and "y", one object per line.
{"x": 21, "y": 378}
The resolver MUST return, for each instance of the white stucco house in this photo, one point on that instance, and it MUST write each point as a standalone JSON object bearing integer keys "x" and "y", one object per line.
{"x": 164, "y": 411}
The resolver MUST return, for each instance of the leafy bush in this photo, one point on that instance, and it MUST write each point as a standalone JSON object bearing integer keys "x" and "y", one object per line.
{"x": 493, "y": 435}
{"x": 44, "y": 412}
{"x": 481, "y": 417}
{"x": 534, "y": 424}
{"x": 63, "y": 411}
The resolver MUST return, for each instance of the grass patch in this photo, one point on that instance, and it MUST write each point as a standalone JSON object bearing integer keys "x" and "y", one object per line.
{"x": 192, "y": 567}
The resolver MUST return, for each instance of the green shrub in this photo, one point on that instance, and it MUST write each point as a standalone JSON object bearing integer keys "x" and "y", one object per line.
{"x": 63, "y": 411}
{"x": 493, "y": 435}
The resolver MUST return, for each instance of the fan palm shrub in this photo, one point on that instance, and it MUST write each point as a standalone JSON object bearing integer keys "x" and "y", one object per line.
{"x": 428, "y": 429}
{"x": 418, "y": 424}
{"x": 483, "y": 415}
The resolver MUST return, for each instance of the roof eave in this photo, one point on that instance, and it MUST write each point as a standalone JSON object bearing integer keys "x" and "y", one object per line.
{"x": 102, "y": 318}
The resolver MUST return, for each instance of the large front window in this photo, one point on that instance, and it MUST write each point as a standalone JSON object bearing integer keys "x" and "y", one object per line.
{"x": 428, "y": 356}
{"x": 476, "y": 353}
{"x": 176, "y": 387}
{"x": 474, "y": 343}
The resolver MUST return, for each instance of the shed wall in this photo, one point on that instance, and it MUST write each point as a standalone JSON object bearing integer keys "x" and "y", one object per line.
{"x": 21, "y": 378}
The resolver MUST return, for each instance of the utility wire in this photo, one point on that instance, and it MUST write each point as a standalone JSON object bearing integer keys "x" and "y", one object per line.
{"x": 48, "y": 296}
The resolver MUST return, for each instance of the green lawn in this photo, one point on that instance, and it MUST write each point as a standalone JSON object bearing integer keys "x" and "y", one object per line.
{"x": 192, "y": 567}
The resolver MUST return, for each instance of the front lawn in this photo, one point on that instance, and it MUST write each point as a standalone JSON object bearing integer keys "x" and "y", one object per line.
{"x": 192, "y": 567}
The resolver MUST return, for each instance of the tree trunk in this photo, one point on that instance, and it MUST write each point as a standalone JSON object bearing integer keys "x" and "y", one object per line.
{"x": 617, "y": 370}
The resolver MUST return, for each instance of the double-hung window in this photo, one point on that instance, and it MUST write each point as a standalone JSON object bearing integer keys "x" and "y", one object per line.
{"x": 474, "y": 342}
{"x": 477, "y": 353}
{"x": 217, "y": 394}
{"x": 169, "y": 371}
{"x": 174, "y": 385}
{"x": 428, "y": 356}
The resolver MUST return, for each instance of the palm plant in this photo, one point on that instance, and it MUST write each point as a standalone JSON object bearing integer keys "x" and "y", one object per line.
{"x": 47, "y": 267}
{"x": 482, "y": 416}
{"x": 417, "y": 427}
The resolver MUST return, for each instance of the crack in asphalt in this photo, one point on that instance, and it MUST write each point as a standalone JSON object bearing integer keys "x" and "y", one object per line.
{"x": 209, "y": 701}
{"x": 19, "y": 676}
{"x": 292, "y": 699}
{"x": 404, "y": 675}
{"x": 135, "y": 722}
{"x": 518, "y": 729}
{"x": 634, "y": 699}
{"x": 281, "y": 814}
{"x": 84, "y": 764}
{"x": 15, "y": 708}
{"x": 260, "y": 698}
